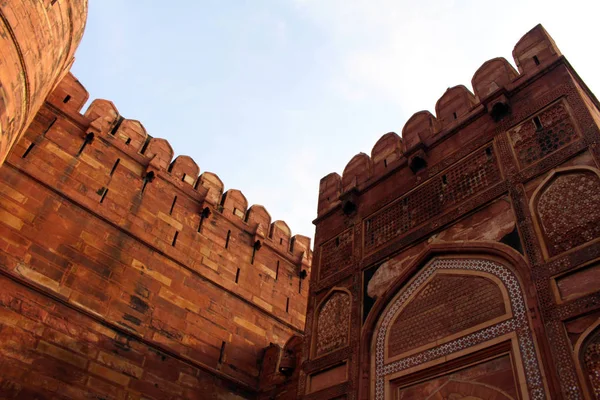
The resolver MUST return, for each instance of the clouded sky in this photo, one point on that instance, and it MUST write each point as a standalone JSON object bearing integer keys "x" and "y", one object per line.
{"x": 272, "y": 95}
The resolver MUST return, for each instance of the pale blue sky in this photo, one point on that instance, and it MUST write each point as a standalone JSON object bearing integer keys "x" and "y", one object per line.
{"x": 272, "y": 95}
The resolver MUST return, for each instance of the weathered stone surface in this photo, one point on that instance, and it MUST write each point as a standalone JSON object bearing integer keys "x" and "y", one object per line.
{"x": 126, "y": 275}
{"x": 37, "y": 43}
{"x": 493, "y": 223}
{"x": 483, "y": 224}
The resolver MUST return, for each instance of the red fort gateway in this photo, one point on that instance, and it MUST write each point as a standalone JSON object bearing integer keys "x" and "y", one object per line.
{"x": 460, "y": 260}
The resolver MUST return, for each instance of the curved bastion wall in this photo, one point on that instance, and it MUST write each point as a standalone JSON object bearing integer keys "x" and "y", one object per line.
{"x": 37, "y": 43}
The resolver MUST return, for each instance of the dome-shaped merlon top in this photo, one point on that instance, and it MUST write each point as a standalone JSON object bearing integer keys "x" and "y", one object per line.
{"x": 213, "y": 184}
{"x": 535, "y": 48}
{"x": 330, "y": 188}
{"x": 420, "y": 127}
{"x": 69, "y": 94}
{"x": 132, "y": 133}
{"x": 357, "y": 171}
{"x": 103, "y": 114}
{"x": 281, "y": 234}
{"x": 234, "y": 202}
{"x": 258, "y": 215}
{"x": 160, "y": 153}
{"x": 386, "y": 151}
{"x": 183, "y": 168}
{"x": 456, "y": 102}
{"x": 301, "y": 244}
{"x": 492, "y": 75}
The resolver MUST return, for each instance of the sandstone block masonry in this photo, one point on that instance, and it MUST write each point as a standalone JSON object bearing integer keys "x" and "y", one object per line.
{"x": 462, "y": 258}
{"x": 37, "y": 43}
{"x": 126, "y": 274}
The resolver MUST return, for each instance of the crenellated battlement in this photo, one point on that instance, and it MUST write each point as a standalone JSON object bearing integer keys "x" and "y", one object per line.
{"x": 157, "y": 249}
{"x": 156, "y": 155}
{"x": 492, "y": 84}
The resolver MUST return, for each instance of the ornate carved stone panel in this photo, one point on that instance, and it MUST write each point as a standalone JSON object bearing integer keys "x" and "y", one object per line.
{"x": 336, "y": 254}
{"x": 568, "y": 209}
{"x": 517, "y": 324}
{"x": 462, "y": 181}
{"x": 447, "y": 305}
{"x": 542, "y": 134}
{"x": 333, "y": 323}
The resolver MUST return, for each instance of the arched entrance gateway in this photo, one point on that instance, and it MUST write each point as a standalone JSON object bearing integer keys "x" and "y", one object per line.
{"x": 458, "y": 328}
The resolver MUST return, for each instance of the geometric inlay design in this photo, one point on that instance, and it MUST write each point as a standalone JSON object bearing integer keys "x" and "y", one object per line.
{"x": 336, "y": 254}
{"x": 333, "y": 323}
{"x": 464, "y": 180}
{"x": 569, "y": 210}
{"x": 543, "y": 134}
{"x": 447, "y": 305}
{"x": 591, "y": 360}
{"x": 518, "y": 323}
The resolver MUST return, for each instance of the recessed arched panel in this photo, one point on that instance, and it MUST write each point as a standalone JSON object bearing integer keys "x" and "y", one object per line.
{"x": 590, "y": 363}
{"x": 332, "y": 325}
{"x": 457, "y": 388}
{"x": 567, "y": 207}
{"x": 454, "y": 307}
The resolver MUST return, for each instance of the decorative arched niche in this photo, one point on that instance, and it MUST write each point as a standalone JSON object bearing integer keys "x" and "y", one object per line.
{"x": 332, "y": 322}
{"x": 566, "y": 207}
{"x": 457, "y": 315}
{"x": 587, "y": 350}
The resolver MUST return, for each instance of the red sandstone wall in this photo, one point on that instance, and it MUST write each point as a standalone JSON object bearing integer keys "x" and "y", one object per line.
{"x": 37, "y": 43}
{"x": 154, "y": 288}
{"x": 508, "y": 172}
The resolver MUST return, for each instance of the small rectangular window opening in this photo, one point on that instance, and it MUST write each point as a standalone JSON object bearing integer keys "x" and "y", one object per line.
{"x": 277, "y": 270}
{"x": 117, "y": 126}
{"x": 31, "y": 146}
{"x": 173, "y": 206}
{"x": 200, "y": 223}
{"x": 222, "y": 352}
{"x": 385, "y": 162}
{"x": 128, "y": 141}
{"x": 537, "y": 123}
{"x": 227, "y": 239}
{"x": 455, "y": 116}
{"x": 89, "y": 138}
{"x": 175, "y": 238}
{"x": 49, "y": 126}
{"x": 253, "y": 255}
{"x": 68, "y": 97}
{"x": 280, "y": 240}
{"x": 237, "y": 275}
{"x": 536, "y": 60}
{"x": 149, "y": 177}
{"x": 183, "y": 177}
{"x": 287, "y": 304}
{"x": 103, "y": 195}
{"x": 203, "y": 215}
{"x": 112, "y": 171}
{"x": 444, "y": 179}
